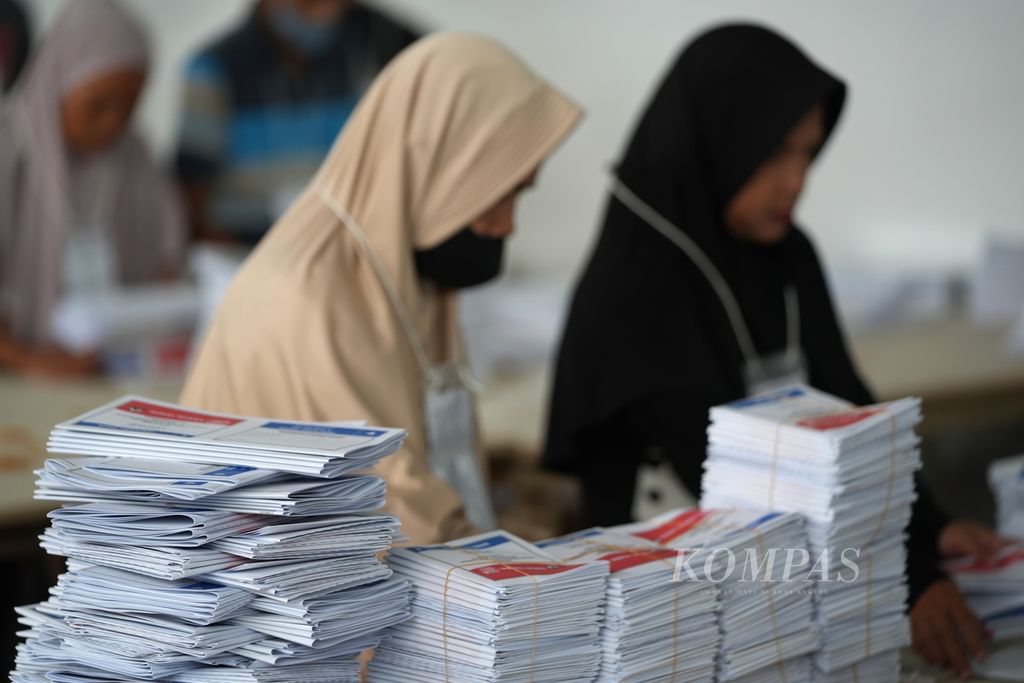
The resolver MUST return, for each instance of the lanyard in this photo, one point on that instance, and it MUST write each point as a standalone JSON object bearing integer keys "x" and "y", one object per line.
{"x": 666, "y": 228}
{"x": 433, "y": 376}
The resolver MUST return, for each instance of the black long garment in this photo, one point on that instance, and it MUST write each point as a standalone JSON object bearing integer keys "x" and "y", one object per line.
{"x": 647, "y": 347}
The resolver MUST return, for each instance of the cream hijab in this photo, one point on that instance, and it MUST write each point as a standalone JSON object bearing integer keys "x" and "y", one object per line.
{"x": 306, "y": 331}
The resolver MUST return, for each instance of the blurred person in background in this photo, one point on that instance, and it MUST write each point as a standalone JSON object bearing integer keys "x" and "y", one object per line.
{"x": 83, "y": 208}
{"x": 263, "y": 104}
{"x": 701, "y": 290}
{"x": 347, "y": 308}
{"x": 15, "y": 38}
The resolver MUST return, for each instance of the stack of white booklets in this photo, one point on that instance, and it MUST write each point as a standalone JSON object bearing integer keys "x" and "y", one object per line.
{"x": 656, "y": 628}
{"x": 759, "y": 563}
{"x": 1006, "y": 478}
{"x": 205, "y": 547}
{"x": 494, "y": 608}
{"x": 850, "y": 471}
{"x": 994, "y": 590}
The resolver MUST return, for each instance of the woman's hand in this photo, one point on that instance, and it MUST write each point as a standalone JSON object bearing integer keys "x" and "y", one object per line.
{"x": 945, "y": 631}
{"x": 964, "y": 538}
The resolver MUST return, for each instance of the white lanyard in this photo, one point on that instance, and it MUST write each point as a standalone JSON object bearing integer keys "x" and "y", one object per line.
{"x": 732, "y": 310}
{"x": 447, "y": 402}
{"x": 430, "y": 373}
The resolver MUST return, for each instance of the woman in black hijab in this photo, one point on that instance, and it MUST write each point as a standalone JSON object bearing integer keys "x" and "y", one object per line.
{"x": 701, "y": 291}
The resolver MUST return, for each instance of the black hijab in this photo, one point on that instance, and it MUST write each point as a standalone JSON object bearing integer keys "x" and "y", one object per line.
{"x": 644, "y": 322}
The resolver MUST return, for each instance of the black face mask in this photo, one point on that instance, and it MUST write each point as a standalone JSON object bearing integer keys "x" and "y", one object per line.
{"x": 463, "y": 260}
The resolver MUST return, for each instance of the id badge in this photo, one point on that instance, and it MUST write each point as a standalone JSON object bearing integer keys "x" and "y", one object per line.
{"x": 451, "y": 448}
{"x": 90, "y": 261}
{"x": 658, "y": 490}
{"x": 775, "y": 372}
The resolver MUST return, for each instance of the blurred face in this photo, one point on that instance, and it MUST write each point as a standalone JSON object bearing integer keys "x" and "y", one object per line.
{"x": 762, "y": 209}
{"x": 323, "y": 12}
{"x": 95, "y": 114}
{"x": 498, "y": 221}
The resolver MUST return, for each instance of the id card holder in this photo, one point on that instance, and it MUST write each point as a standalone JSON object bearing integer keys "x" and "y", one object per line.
{"x": 451, "y": 444}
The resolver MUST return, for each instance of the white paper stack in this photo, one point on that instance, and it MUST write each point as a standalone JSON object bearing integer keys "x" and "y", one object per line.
{"x": 850, "y": 471}
{"x": 212, "y": 569}
{"x": 144, "y": 428}
{"x": 759, "y": 563}
{"x": 994, "y": 590}
{"x": 182, "y": 484}
{"x": 1006, "y": 479}
{"x": 655, "y": 628}
{"x": 494, "y": 608}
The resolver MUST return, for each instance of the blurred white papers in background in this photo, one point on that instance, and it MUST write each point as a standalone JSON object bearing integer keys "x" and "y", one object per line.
{"x": 997, "y": 287}
{"x": 213, "y": 266}
{"x": 1006, "y": 479}
{"x": 513, "y": 324}
{"x": 871, "y": 296}
{"x": 87, "y": 322}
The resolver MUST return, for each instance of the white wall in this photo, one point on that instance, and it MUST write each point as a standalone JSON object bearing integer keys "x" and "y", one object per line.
{"x": 929, "y": 152}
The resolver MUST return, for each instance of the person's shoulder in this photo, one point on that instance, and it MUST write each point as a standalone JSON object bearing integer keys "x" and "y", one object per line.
{"x": 802, "y": 245}
{"x": 391, "y": 34}
{"x": 237, "y": 46}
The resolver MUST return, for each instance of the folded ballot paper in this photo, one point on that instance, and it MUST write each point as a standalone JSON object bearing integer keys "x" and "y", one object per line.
{"x": 214, "y": 487}
{"x": 759, "y": 564}
{"x": 144, "y": 428}
{"x": 656, "y": 628}
{"x": 212, "y": 548}
{"x": 494, "y": 608}
{"x": 1006, "y": 479}
{"x": 994, "y": 590}
{"x": 850, "y": 471}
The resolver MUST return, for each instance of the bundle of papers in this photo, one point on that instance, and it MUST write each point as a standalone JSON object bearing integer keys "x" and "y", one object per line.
{"x": 994, "y": 590}
{"x": 99, "y": 589}
{"x": 759, "y": 563}
{"x": 289, "y": 580}
{"x": 850, "y": 471}
{"x": 880, "y": 667}
{"x": 1006, "y": 478}
{"x": 215, "y": 487}
{"x": 144, "y": 428}
{"x": 212, "y": 568}
{"x": 134, "y": 525}
{"x": 494, "y": 608}
{"x": 655, "y": 628}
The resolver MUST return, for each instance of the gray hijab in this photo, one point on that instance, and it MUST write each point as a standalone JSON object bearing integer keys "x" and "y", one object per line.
{"x": 41, "y": 184}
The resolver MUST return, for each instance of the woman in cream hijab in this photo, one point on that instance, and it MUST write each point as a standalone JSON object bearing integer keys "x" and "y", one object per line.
{"x": 331, "y": 317}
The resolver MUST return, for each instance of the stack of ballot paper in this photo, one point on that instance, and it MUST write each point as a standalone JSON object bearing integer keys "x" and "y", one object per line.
{"x": 656, "y": 628}
{"x": 850, "y": 471}
{"x": 759, "y": 563}
{"x": 253, "y": 558}
{"x": 182, "y": 484}
{"x": 494, "y": 608}
{"x": 1006, "y": 478}
{"x": 994, "y": 590}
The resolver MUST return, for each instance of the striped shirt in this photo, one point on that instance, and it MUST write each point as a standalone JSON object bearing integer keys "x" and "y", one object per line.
{"x": 255, "y": 131}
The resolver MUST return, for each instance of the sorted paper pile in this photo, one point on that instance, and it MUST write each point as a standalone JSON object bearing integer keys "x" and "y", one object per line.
{"x": 494, "y": 608}
{"x": 759, "y": 563}
{"x": 200, "y": 553}
{"x": 994, "y": 590}
{"x": 655, "y": 628}
{"x": 850, "y": 471}
{"x": 1006, "y": 478}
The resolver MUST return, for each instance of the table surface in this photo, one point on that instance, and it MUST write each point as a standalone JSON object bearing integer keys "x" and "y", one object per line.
{"x": 958, "y": 369}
